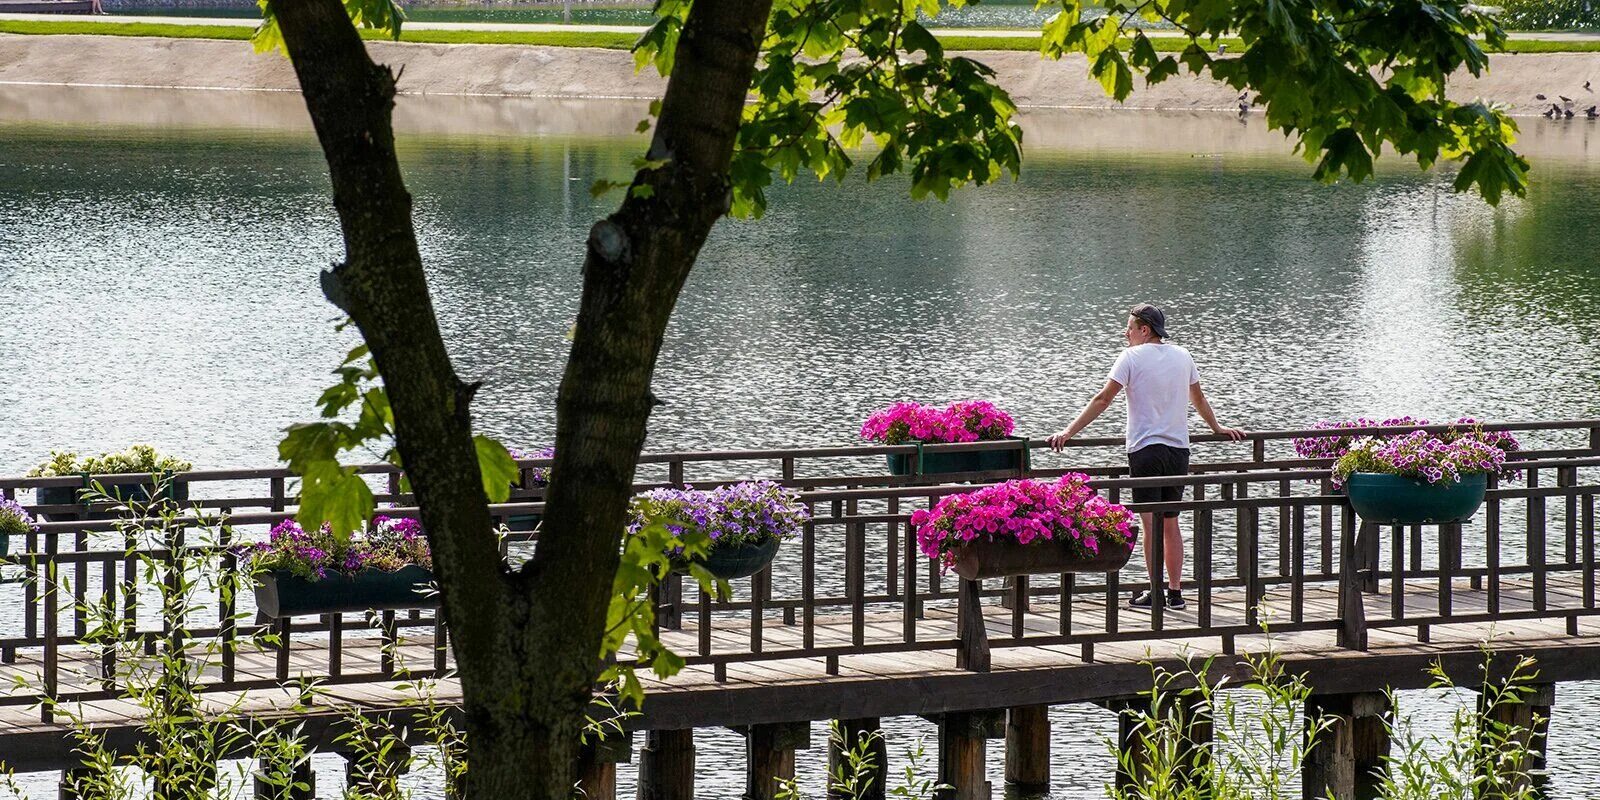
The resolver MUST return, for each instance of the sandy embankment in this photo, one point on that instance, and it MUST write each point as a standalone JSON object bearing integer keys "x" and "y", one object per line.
{"x": 562, "y": 72}
{"x": 524, "y": 91}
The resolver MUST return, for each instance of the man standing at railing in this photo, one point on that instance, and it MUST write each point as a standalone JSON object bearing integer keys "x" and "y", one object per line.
{"x": 1162, "y": 382}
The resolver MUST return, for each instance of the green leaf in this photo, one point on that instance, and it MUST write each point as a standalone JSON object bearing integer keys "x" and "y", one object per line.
{"x": 499, "y": 470}
{"x": 914, "y": 37}
{"x": 334, "y": 495}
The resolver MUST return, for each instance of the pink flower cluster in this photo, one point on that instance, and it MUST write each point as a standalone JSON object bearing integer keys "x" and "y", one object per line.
{"x": 1422, "y": 456}
{"x": 961, "y": 421}
{"x": 1066, "y": 509}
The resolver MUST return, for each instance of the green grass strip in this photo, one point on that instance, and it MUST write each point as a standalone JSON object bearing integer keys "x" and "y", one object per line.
{"x": 619, "y": 41}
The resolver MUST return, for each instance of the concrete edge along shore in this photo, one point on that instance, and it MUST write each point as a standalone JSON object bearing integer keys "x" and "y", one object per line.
{"x": 509, "y": 70}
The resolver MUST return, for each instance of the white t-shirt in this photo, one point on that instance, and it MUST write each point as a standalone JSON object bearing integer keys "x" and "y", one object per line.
{"x": 1157, "y": 378}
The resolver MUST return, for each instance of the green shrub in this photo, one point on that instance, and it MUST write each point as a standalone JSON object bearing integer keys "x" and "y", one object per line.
{"x": 1539, "y": 15}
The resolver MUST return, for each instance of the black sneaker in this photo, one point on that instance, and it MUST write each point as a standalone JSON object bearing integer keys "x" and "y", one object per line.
{"x": 1174, "y": 599}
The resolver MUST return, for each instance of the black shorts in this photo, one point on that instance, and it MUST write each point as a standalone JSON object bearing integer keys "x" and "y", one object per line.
{"x": 1155, "y": 460}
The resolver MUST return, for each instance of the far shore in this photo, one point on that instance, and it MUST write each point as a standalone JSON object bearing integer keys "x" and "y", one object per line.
{"x": 594, "y": 73}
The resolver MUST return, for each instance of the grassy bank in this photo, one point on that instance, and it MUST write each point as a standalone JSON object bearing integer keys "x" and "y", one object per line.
{"x": 608, "y": 40}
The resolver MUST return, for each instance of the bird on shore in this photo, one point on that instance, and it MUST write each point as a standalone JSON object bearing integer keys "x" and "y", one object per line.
{"x": 1540, "y": 97}
{"x": 1549, "y": 113}
{"x": 1222, "y": 48}
{"x": 1568, "y": 112}
{"x": 1586, "y": 87}
{"x": 1565, "y": 100}
{"x": 1591, "y": 112}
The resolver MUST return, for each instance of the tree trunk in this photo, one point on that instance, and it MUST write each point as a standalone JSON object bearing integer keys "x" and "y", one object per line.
{"x": 526, "y": 643}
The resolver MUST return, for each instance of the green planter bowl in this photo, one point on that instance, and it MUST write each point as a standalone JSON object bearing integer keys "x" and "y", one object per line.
{"x": 740, "y": 560}
{"x": 939, "y": 463}
{"x": 281, "y": 593}
{"x": 1386, "y": 499}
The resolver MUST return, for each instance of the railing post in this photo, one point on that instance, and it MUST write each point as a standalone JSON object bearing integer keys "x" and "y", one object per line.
{"x": 973, "y": 652}
{"x": 1352, "y": 608}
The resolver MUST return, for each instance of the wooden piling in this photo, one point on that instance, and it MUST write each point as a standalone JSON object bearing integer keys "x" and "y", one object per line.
{"x": 302, "y": 783}
{"x": 74, "y": 784}
{"x": 666, "y": 766}
{"x": 963, "y": 741}
{"x": 377, "y": 774}
{"x": 1514, "y": 732}
{"x": 1352, "y": 744}
{"x": 1141, "y": 727}
{"x": 1028, "y": 748}
{"x": 597, "y": 764}
{"x": 860, "y": 736}
{"x": 769, "y": 757}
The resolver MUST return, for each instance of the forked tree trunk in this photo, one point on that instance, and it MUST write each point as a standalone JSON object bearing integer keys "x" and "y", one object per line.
{"x": 526, "y": 642}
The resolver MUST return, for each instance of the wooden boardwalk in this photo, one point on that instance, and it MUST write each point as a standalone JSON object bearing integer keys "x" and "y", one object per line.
{"x": 920, "y": 682}
{"x": 851, "y": 622}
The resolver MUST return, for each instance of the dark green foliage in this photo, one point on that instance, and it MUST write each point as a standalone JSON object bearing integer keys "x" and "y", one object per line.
{"x": 1346, "y": 78}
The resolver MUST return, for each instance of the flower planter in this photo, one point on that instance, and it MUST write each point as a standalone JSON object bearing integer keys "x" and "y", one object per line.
{"x": 939, "y": 463}
{"x": 739, "y": 561}
{"x": 981, "y": 559}
{"x": 284, "y": 594}
{"x": 1393, "y": 500}
{"x": 126, "y": 492}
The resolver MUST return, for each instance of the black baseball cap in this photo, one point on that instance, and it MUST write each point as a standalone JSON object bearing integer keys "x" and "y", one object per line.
{"x": 1152, "y": 316}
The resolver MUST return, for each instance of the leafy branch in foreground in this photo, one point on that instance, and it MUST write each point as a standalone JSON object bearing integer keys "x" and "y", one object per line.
{"x": 1345, "y": 78}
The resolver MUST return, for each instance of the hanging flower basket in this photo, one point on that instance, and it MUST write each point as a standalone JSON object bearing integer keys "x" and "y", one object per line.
{"x": 1021, "y": 527}
{"x": 745, "y": 522}
{"x": 1421, "y": 478}
{"x": 961, "y": 421}
{"x": 125, "y": 492}
{"x": 1396, "y": 500}
{"x": 281, "y": 593}
{"x": 981, "y": 559}
{"x": 385, "y": 566}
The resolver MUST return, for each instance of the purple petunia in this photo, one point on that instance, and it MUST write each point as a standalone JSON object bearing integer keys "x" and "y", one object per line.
{"x": 14, "y": 519}
{"x": 387, "y": 544}
{"x": 749, "y": 512}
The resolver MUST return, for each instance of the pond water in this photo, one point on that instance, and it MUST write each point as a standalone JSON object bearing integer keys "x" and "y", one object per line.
{"x": 159, "y": 252}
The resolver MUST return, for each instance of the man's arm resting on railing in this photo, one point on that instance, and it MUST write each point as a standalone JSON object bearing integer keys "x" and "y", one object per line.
{"x": 1198, "y": 398}
{"x": 1096, "y": 406}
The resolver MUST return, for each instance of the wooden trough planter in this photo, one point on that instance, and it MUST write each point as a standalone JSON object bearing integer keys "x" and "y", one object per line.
{"x": 281, "y": 593}
{"x": 940, "y": 463}
{"x": 173, "y": 491}
{"x": 1384, "y": 499}
{"x": 984, "y": 559}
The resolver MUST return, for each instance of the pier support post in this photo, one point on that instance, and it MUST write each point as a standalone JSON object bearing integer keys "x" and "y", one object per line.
{"x": 74, "y": 783}
{"x": 666, "y": 766}
{"x": 1342, "y": 761}
{"x": 963, "y": 747}
{"x": 1140, "y": 728}
{"x": 378, "y": 774}
{"x": 859, "y": 736}
{"x": 1513, "y": 735}
{"x": 302, "y": 783}
{"x": 769, "y": 757}
{"x": 1028, "y": 748}
{"x": 597, "y": 764}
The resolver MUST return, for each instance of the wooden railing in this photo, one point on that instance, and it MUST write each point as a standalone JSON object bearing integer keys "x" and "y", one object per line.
{"x": 1262, "y": 526}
